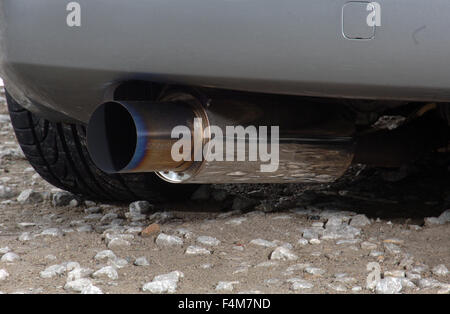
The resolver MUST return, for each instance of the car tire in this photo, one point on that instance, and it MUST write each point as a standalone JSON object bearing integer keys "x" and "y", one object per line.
{"x": 58, "y": 152}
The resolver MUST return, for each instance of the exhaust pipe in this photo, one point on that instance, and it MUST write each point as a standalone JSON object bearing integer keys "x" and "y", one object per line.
{"x": 313, "y": 143}
{"x": 128, "y": 137}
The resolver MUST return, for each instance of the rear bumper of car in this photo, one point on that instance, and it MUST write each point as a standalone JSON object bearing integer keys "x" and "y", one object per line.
{"x": 287, "y": 47}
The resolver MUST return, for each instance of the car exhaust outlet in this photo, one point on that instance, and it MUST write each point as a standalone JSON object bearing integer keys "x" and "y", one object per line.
{"x": 136, "y": 136}
{"x": 307, "y": 143}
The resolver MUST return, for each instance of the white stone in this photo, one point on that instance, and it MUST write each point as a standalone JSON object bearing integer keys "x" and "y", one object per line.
{"x": 74, "y": 203}
{"x": 4, "y": 250}
{"x": 440, "y": 270}
{"x": 333, "y": 222}
{"x": 89, "y": 203}
{"x": 432, "y": 221}
{"x": 300, "y": 284}
{"x": 29, "y": 196}
{"x": 296, "y": 267}
{"x": 24, "y": 225}
{"x": 185, "y": 233}
{"x": 343, "y": 278}
{"x": 392, "y": 248}
{"x": 27, "y": 169}
{"x": 141, "y": 261}
{"x": 314, "y": 241}
{"x": 75, "y": 223}
{"x": 206, "y": 240}
{"x": 337, "y": 287}
{"x": 62, "y": 198}
{"x": 236, "y": 221}
{"x": 427, "y": 283}
{"x": 109, "y": 236}
{"x": 162, "y": 286}
{"x": 71, "y": 265}
{"x": 175, "y": 275}
{"x": 302, "y": 241}
{"x": 340, "y": 232}
{"x": 51, "y": 232}
{"x": 395, "y": 273}
{"x": 135, "y": 218}
{"x": 197, "y": 250}
{"x": 24, "y": 237}
{"x": 117, "y": 243}
{"x": 359, "y": 221}
{"x": 314, "y": 271}
{"x": 389, "y": 285}
{"x": 160, "y": 217}
{"x": 284, "y": 254}
{"x": 78, "y": 285}
{"x": 84, "y": 228}
{"x": 52, "y": 271}
{"x": 10, "y": 257}
{"x": 118, "y": 262}
{"x": 109, "y": 217}
{"x": 79, "y": 273}
{"x": 93, "y": 217}
{"x": 420, "y": 269}
{"x": 241, "y": 270}
{"x": 6, "y": 192}
{"x": 262, "y": 242}
{"x": 91, "y": 290}
{"x": 168, "y": 240}
{"x": 166, "y": 283}
{"x": 444, "y": 290}
{"x": 3, "y": 275}
{"x": 140, "y": 208}
{"x": 413, "y": 276}
{"x": 93, "y": 210}
{"x": 406, "y": 283}
{"x": 442, "y": 219}
{"x": 105, "y": 255}
{"x": 349, "y": 241}
{"x": 312, "y": 233}
{"x": 107, "y": 272}
{"x": 229, "y": 214}
{"x": 134, "y": 230}
{"x": 226, "y": 285}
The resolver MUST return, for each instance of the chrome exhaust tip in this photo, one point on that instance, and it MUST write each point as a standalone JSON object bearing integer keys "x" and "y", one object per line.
{"x": 132, "y": 137}
{"x": 127, "y": 137}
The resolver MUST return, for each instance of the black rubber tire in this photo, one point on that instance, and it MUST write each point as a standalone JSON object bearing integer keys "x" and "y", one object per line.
{"x": 57, "y": 151}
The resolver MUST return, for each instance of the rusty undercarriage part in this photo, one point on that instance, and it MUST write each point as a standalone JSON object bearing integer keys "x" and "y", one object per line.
{"x": 317, "y": 140}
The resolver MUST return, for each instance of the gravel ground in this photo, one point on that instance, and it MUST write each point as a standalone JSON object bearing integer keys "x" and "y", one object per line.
{"x": 373, "y": 231}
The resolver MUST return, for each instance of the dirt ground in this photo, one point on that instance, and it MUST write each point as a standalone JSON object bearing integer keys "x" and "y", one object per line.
{"x": 318, "y": 239}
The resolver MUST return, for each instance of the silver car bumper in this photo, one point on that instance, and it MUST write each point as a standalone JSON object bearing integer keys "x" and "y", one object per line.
{"x": 301, "y": 47}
